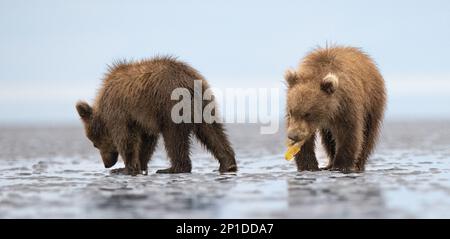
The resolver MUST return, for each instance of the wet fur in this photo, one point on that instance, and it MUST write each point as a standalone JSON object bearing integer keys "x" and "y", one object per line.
{"x": 133, "y": 108}
{"x": 347, "y": 115}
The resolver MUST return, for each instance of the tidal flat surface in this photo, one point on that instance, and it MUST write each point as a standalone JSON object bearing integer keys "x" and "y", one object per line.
{"x": 54, "y": 172}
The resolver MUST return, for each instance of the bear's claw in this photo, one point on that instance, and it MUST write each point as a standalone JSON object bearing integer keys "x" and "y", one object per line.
{"x": 326, "y": 168}
{"x": 228, "y": 169}
{"x": 344, "y": 170}
{"x": 126, "y": 171}
{"x": 172, "y": 170}
{"x": 123, "y": 171}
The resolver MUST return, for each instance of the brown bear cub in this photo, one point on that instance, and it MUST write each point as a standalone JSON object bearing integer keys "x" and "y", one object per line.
{"x": 133, "y": 107}
{"x": 339, "y": 93}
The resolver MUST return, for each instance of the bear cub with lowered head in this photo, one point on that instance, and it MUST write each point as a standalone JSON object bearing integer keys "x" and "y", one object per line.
{"x": 336, "y": 92}
{"x": 133, "y": 107}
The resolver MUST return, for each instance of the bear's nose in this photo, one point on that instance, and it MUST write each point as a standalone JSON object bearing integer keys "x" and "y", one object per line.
{"x": 108, "y": 164}
{"x": 293, "y": 136}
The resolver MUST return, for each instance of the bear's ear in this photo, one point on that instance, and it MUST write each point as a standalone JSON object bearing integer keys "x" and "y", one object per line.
{"x": 84, "y": 110}
{"x": 291, "y": 77}
{"x": 329, "y": 83}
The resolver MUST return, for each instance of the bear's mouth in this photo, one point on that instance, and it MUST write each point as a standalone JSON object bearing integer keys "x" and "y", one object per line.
{"x": 291, "y": 143}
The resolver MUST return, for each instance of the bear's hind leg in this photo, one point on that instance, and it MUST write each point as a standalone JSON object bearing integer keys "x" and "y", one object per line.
{"x": 148, "y": 145}
{"x": 177, "y": 142}
{"x": 306, "y": 158}
{"x": 371, "y": 132}
{"x": 213, "y": 137}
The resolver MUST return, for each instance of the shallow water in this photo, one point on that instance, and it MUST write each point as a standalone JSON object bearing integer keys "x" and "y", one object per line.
{"x": 53, "y": 172}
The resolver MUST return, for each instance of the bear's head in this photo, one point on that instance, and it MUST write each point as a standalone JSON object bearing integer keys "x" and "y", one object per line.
{"x": 97, "y": 132}
{"x": 311, "y": 103}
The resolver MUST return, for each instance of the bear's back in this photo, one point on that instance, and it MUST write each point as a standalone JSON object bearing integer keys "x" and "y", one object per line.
{"x": 143, "y": 89}
{"x": 156, "y": 74}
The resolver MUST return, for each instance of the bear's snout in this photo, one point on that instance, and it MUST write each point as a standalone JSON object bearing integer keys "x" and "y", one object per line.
{"x": 293, "y": 136}
{"x": 297, "y": 136}
{"x": 108, "y": 164}
{"x": 110, "y": 159}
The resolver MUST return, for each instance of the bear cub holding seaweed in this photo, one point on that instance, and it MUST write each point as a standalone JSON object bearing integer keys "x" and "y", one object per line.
{"x": 339, "y": 93}
{"x": 134, "y": 106}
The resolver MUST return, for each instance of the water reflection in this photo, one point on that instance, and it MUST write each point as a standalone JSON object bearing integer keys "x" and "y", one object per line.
{"x": 407, "y": 177}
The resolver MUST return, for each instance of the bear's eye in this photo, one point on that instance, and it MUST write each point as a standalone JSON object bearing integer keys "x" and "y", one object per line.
{"x": 306, "y": 115}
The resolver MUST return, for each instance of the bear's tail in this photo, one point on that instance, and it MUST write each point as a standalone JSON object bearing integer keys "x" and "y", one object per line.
{"x": 214, "y": 138}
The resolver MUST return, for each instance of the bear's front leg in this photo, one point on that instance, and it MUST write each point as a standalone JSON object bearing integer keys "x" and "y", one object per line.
{"x": 130, "y": 156}
{"x": 132, "y": 163}
{"x": 349, "y": 144}
{"x": 306, "y": 158}
{"x": 127, "y": 140}
{"x": 148, "y": 145}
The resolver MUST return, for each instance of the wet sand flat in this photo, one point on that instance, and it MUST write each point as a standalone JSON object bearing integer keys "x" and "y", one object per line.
{"x": 54, "y": 172}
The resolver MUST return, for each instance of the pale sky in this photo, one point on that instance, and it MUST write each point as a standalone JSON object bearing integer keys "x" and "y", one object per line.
{"x": 53, "y": 53}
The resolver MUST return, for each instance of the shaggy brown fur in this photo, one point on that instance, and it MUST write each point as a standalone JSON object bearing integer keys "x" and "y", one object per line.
{"x": 338, "y": 92}
{"x": 134, "y": 106}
